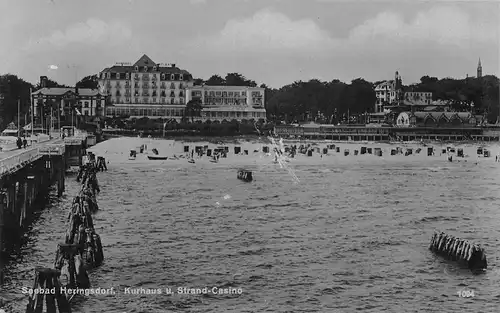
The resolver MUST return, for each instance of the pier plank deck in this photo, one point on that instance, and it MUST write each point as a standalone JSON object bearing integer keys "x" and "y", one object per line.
{"x": 12, "y": 160}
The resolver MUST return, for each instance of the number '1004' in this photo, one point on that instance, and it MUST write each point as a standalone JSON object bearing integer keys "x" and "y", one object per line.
{"x": 465, "y": 293}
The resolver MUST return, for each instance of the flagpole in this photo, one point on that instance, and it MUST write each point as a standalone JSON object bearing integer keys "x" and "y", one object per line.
{"x": 18, "y": 117}
{"x": 32, "y": 116}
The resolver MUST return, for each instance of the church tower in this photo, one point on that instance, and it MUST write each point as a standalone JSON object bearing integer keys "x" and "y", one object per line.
{"x": 479, "y": 69}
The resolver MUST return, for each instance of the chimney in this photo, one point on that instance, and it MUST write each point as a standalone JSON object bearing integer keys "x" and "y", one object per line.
{"x": 172, "y": 65}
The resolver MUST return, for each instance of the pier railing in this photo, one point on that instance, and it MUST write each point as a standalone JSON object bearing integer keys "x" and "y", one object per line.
{"x": 14, "y": 161}
{"x": 53, "y": 149}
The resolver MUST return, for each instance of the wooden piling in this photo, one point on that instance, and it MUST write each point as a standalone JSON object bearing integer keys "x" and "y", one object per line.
{"x": 52, "y": 300}
{"x": 69, "y": 262}
{"x": 460, "y": 250}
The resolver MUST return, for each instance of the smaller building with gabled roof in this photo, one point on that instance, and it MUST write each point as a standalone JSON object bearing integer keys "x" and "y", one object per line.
{"x": 80, "y": 101}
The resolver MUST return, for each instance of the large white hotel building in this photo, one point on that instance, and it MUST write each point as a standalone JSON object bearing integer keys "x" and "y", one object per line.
{"x": 148, "y": 89}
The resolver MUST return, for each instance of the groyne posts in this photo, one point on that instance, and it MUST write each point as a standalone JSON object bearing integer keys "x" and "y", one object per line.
{"x": 53, "y": 301}
{"x": 460, "y": 250}
{"x": 69, "y": 262}
{"x": 82, "y": 250}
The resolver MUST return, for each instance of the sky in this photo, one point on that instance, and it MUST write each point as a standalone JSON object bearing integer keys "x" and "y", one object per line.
{"x": 275, "y": 42}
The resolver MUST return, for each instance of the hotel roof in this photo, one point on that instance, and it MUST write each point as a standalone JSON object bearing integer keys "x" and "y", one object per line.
{"x": 145, "y": 61}
{"x": 58, "y": 91}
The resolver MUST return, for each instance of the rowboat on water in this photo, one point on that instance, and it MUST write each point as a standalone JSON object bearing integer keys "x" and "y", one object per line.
{"x": 191, "y": 161}
{"x": 157, "y": 157}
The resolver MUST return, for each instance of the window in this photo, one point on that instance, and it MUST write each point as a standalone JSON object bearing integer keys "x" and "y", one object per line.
{"x": 127, "y": 76}
{"x": 230, "y": 93}
{"x": 172, "y": 101}
{"x": 137, "y": 69}
{"x": 172, "y": 86}
{"x": 181, "y": 94}
{"x": 180, "y": 86}
{"x": 154, "y": 99}
{"x": 86, "y": 105}
{"x": 181, "y": 77}
{"x": 172, "y": 94}
{"x": 154, "y": 93}
{"x": 162, "y": 76}
{"x": 154, "y": 68}
{"x": 163, "y": 94}
{"x": 172, "y": 77}
{"x": 145, "y": 100}
{"x": 145, "y": 68}
{"x": 137, "y": 100}
{"x": 109, "y": 75}
{"x": 117, "y": 75}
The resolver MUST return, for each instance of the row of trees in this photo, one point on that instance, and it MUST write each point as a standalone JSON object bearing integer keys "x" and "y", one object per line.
{"x": 299, "y": 101}
{"x": 207, "y": 128}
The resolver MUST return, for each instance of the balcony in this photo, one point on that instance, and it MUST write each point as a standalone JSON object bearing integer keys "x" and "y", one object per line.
{"x": 163, "y": 86}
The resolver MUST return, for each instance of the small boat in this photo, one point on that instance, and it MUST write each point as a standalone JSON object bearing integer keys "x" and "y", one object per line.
{"x": 245, "y": 175}
{"x": 191, "y": 161}
{"x": 133, "y": 155}
{"x": 156, "y": 157}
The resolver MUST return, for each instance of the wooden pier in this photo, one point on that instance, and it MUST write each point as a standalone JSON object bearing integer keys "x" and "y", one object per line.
{"x": 25, "y": 177}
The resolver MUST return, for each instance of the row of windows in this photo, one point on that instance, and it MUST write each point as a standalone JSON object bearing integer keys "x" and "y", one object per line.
{"x": 136, "y": 93}
{"x": 148, "y": 100}
{"x": 144, "y": 85}
{"x": 144, "y": 112}
{"x": 144, "y": 76}
{"x": 178, "y": 113}
{"x": 234, "y": 114}
{"x": 197, "y": 93}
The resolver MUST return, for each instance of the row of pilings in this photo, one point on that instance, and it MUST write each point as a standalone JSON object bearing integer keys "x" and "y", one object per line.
{"x": 54, "y": 288}
{"x": 460, "y": 250}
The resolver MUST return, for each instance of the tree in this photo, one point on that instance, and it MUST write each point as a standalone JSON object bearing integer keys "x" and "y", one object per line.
{"x": 215, "y": 80}
{"x": 90, "y": 82}
{"x": 193, "y": 108}
{"x": 198, "y": 82}
{"x": 12, "y": 90}
{"x": 49, "y": 83}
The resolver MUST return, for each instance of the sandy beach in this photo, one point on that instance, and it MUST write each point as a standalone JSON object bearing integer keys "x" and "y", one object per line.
{"x": 117, "y": 150}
